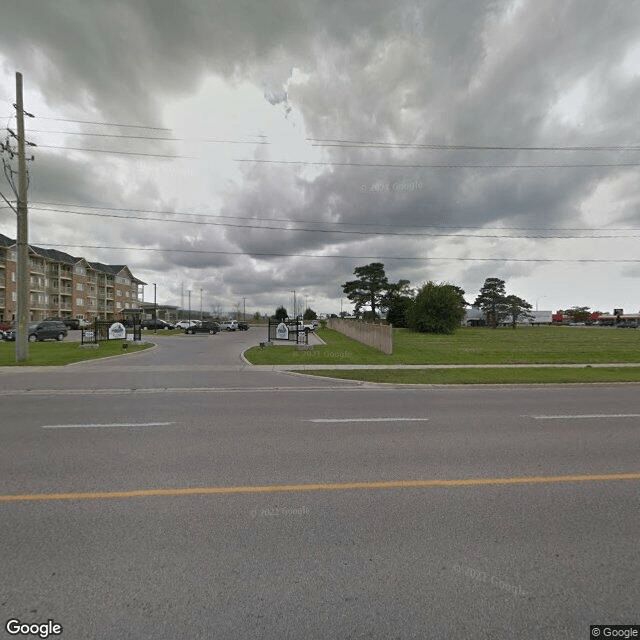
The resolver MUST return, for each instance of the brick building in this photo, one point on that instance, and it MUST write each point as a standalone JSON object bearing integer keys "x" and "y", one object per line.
{"x": 62, "y": 285}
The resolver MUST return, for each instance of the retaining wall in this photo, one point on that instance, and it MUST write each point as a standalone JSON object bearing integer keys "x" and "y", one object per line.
{"x": 379, "y": 336}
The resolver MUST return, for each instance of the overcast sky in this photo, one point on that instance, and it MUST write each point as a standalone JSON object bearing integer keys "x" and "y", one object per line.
{"x": 262, "y": 183}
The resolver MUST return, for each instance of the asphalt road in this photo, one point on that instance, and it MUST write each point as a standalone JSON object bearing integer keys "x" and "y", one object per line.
{"x": 176, "y": 493}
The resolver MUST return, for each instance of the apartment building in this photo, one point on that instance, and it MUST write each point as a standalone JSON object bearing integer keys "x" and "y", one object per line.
{"x": 66, "y": 286}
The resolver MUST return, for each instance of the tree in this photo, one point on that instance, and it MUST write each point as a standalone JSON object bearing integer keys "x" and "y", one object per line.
{"x": 492, "y": 301}
{"x": 398, "y": 310}
{"x": 397, "y": 300}
{"x": 577, "y": 314}
{"x": 281, "y": 314}
{"x": 517, "y": 308}
{"x": 309, "y": 314}
{"x": 369, "y": 288}
{"x": 438, "y": 308}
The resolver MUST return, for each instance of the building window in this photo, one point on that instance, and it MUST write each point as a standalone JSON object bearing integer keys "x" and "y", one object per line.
{"x": 79, "y": 302}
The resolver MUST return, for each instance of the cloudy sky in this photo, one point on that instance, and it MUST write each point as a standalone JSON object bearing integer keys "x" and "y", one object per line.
{"x": 275, "y": 146}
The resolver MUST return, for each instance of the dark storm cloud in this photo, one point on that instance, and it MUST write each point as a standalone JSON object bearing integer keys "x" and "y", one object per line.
{"x": 531, "y": 73}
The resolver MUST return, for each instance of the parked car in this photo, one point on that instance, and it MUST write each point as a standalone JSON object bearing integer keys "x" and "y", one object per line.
{"x": 156, "y": 323}
{"x": 70, "y": 323}
{"x": 47, "y": 330}
{"x": 185, "y": 324}
{"x": 243, "y": 326}
{"x": 229, "y": 325}
{"x": 204, "y": 327}
{"x": 9, "y": 335}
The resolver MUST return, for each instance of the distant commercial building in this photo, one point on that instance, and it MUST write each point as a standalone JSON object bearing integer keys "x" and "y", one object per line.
{"x": 66, "y": 286}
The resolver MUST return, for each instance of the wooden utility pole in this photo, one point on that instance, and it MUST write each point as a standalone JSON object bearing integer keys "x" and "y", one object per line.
{"x": 22, "y": 343}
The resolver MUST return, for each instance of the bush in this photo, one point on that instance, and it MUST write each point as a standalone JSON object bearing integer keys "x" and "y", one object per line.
{"x": 438, "y": 308}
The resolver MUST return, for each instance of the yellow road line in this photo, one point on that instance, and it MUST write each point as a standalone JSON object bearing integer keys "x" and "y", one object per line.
{"x": 295, "y": 488}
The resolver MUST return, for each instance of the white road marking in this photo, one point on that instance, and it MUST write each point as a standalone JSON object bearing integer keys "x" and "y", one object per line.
{"x": 367, "y": 420}
{"x": 587, "y": 416}
{"x": 111, "y": 424}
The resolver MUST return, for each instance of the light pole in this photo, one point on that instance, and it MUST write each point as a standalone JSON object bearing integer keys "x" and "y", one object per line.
{"x": 155, "y": 310}
{"x": 295, "y": 315}
{"x": 189, "y": 317}
{"x": 200, "y": 304}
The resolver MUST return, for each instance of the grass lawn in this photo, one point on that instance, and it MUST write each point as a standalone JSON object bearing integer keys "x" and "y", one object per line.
{"x": 60, "y": 353}
{"x": 524, "y": 345}
{"x": 533, "y": 375}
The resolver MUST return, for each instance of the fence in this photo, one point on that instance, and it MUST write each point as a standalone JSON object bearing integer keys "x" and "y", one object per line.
{"x": 292, "y": 333}
{"x": 100, "y": 332}
{"x": 379, "y": 336}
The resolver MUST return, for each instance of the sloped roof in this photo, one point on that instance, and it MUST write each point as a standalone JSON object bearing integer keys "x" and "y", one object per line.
{"x": 66, "y": 258}
{"x": 6, "y": 242}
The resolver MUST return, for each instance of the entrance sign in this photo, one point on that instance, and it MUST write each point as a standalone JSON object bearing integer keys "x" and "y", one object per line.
{"x": 282, "y": 332}
{"x": 117, "y": 331}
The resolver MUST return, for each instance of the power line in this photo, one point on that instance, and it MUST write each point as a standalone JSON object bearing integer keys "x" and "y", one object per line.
{"x": 161, "y": 139}
{"x": 330, "y": 142}
{"x": 125, "y": 153}
{"x": 352, "y": 224}
{"x": 336, "y": 231}
{"x": 105, "y": 124}
{"x": 443, "y": 166}
{"x": 334, "y": 256}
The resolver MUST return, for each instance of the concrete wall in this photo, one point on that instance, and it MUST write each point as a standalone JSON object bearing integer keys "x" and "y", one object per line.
{"x": 379, "y": 336}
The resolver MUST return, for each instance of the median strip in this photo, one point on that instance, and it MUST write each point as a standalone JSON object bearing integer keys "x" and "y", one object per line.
{"x": 367, "y": 420}
{"x": 586, "y": 416}
{"x": 301, "y": 488}
{"x": 108, "y": 425}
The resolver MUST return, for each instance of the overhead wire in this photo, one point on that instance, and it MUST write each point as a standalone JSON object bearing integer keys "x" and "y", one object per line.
{"x": 350, "y": 257}
{"x": 327, "y": 222}
{"x": 338, "y": 231}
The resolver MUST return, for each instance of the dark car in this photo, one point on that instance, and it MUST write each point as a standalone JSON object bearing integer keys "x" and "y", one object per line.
{"x": 204, "y": 327}
{"x": 243, "y": 326}
{"x": 47, "y": 330}
{"x": 70, "y": 323}
{"x": 156, "y": 323}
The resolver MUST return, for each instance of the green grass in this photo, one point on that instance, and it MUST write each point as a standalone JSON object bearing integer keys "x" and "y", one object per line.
{"x": 524, "y": 345}
{"x": 61, "y": 353}
{"x": 162, "y": 332}
{"x": 533, "y": 375}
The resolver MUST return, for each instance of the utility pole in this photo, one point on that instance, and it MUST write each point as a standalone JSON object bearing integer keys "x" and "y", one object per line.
{"x": 200, "y": 304}
{"x": 244, "y": 309}
{"x": 295, "y": 314}
{"x": 189, "y": 307}
{"x": 22, "y": 343}
{"x": 155, "y": 310}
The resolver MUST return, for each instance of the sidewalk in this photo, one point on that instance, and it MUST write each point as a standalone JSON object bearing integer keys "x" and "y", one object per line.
{"x": 347, "y": 367}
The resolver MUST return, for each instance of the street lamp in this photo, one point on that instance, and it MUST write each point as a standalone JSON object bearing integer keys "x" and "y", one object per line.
{"x": 189, "y": 318}
{"x": 295, "y": 315}
{"x": 155, "y": 309}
